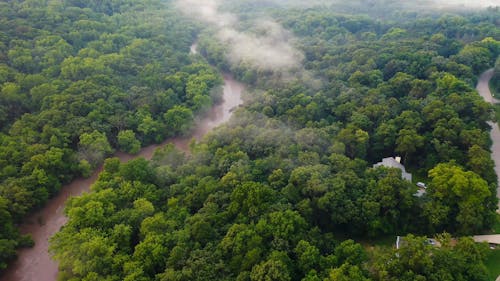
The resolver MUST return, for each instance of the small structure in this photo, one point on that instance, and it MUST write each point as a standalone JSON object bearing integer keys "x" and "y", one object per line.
{"x": 420, "y": 192}
{"x": 493, "y": 240}
{"x": 422, "y": 189}
{"x": 392, "y": 162}
{"x": 421, "y": 185}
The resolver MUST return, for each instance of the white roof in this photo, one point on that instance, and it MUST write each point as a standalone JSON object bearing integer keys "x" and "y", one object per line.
{"x": 392, "y": 163}
{"x": 492, "y": 239}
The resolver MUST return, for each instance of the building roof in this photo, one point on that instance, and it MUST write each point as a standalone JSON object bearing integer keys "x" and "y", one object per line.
{"x": 390, "y": 162}
{"x": 492, "y": 239}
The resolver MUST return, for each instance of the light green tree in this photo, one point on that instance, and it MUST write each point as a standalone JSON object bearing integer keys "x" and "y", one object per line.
{"x": 128, "y": 142}
{"x": 93, "y": 147}
{"x": 461, "y": 194}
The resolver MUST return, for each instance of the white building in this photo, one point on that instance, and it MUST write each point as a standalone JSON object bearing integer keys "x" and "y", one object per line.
{"x": 392, "y": 162}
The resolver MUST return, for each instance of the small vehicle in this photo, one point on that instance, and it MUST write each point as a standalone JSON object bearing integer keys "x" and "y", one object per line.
{"x": 421, "y": 184}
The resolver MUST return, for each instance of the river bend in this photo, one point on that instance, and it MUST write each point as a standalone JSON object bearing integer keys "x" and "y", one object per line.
{"x": 35, "y": 263}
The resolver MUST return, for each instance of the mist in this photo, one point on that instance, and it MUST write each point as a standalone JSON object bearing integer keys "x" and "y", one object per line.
{"x": 263, "y": 44}
{"x": 268, "y": 47}
{"x": 476, "y": 4}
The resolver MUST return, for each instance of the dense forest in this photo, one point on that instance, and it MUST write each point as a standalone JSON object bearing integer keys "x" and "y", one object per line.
{"x": 80, "y": 80}
{"x": 286, "y": 187}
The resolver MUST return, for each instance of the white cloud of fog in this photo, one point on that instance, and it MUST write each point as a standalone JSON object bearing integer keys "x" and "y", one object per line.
{"x": 207, "y": 10}
{"x": 443, "y": 4}
{"x": 269, "y": 48}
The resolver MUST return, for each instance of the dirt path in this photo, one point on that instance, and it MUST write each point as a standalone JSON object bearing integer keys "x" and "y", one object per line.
{"x": 484, "y": 90}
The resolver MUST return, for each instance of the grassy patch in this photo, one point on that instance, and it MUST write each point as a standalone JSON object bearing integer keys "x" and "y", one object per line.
{"x": 493, "y": 264}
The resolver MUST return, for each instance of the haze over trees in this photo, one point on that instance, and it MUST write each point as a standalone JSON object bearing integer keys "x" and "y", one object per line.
{"x": 276, "y": 193}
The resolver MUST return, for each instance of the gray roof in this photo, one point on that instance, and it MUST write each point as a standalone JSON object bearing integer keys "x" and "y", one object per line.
{"x": 392, "y": 163}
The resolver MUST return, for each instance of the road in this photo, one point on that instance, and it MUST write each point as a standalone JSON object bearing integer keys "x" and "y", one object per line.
{"x": 484, "y": 90}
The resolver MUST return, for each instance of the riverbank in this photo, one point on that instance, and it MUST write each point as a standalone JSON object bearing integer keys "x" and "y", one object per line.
{"x": 35, "y": 263}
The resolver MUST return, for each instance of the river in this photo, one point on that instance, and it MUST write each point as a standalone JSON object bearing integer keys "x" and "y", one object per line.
{"x": 484, "y": 90}
{"x": 35, "y": 263}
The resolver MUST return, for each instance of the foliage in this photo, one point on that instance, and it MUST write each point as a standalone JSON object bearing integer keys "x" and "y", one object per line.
{"x": 268, "y": 196}
{"x": 492, "y": 262}
{"x": 94, "y": 147}
{"x": 460, "y": 195}
{"x": 496, "y": 225}
{"x": 80, "y": 79}
{"x": 128, "y": 142}
{"x": 416, "y": 259}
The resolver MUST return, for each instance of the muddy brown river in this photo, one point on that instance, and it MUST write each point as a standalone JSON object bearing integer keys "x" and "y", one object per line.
{"x": 484, "y": 90}
{"x": 35, "y": 264}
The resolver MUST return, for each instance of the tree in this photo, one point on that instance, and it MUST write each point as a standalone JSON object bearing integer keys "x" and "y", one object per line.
{"x": 137, "y": 170}
{"x": 8, "y": 243}
{"x": 385, "y": 138}
{"x": 346, "y": 272}
{"x": 93, "y": 147}
{"x": 479, "y": 58}
{"x": 480, "y": 162}
{"x": 283, "y": 229}
{"x": 242, "y": 246}
{"x": 355, "y": 140}
{"x": 275, "y": 268}
{"x": 411, "y": 262}
{"x": 250, "y": 200}
{"x": 349, "y": 252}
{"x": 78, "y": 68}
{"x": 92, "y": 252}
{"x": 462, "y": 194}
{"x": 416, "y": 259}
{"x": 391, "y": 198}
{"x": 149, "y": 127}
{"x": 127, "y": 141}
{"x": 308, "y": 256}
{"x": 178, "y": 119}
{"x": 408, "y": 141}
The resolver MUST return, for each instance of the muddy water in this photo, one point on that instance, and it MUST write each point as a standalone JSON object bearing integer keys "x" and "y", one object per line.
{"x": 484, "y": 90}
{"x": 35, "y": 264}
